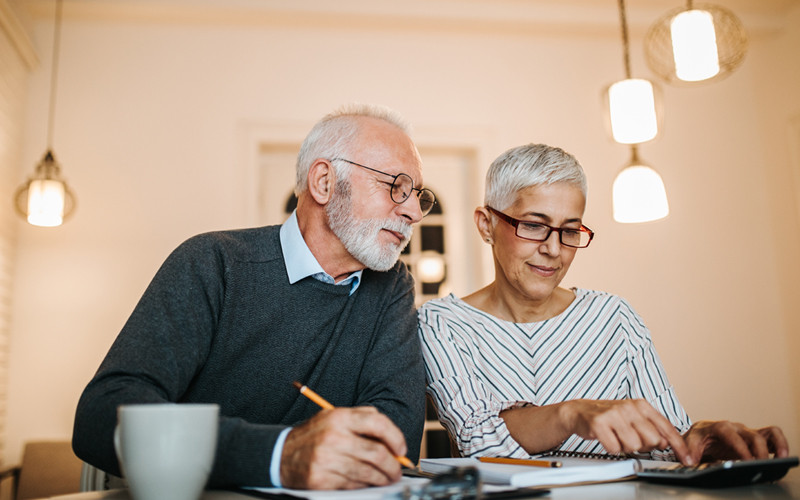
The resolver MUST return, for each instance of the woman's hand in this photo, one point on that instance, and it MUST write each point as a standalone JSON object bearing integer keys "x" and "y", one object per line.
{"x": 624, "y": 426}
{"x": 723, "y": 440}
{"x": 621, "y": 426}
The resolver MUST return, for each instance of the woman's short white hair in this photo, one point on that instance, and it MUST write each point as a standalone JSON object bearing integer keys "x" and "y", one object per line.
{"x": 526, "y": 166}
{"x": 333, "y": 135}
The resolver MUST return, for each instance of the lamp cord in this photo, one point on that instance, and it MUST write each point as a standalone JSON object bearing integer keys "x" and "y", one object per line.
{"x": 625, "y": 51}
{"x": 54, "y": 75}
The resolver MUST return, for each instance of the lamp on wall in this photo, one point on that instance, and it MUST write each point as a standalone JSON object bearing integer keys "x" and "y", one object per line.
{"x": 45, "y": 199}
{"x": 692, "y": 44}
{"x": 632, "y": 101}
{"x": 639, "y": 194}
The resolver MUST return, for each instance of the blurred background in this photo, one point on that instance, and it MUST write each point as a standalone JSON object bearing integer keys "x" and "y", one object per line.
{"x": 174, "y": 117}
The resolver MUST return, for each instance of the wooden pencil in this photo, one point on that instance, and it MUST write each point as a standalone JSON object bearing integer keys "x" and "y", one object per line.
{"x": 322, "y": 403}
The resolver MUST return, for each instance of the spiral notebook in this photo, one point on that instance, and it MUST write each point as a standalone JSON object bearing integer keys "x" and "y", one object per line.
{"x": 579, "y": 468}
{"x": 573, "y": 468}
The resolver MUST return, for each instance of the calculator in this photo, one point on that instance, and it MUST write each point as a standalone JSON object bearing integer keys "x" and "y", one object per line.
{"x": 721, "y": 474}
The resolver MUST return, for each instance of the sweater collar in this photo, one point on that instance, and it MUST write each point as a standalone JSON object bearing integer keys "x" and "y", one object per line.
{"x": 301, "y": 263}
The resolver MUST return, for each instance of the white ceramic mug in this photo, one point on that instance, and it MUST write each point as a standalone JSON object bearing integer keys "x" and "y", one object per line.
{"x": 166, "y": 451}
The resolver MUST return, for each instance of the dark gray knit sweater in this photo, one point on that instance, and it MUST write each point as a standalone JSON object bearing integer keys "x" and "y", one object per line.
{"x": 220, "y": 323}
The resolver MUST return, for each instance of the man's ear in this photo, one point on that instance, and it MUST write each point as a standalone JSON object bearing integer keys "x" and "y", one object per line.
{"x": 321, "y": 180}
{"x": 483, "y": 221}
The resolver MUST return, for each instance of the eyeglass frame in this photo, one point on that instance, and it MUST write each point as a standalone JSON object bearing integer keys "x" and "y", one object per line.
{"x": 515, "y": 224}
{"x": 394, "y": 179}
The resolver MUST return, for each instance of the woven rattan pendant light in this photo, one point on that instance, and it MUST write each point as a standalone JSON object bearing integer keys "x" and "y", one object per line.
{"x": 695, "y": 44}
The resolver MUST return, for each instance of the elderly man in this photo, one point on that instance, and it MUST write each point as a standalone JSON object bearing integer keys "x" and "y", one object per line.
{"x": 234, "y": 317}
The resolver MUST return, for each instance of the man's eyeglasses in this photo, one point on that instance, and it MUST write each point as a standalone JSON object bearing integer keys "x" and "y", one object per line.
{"x": 536, "y": 231}
{"x": 402, "y": 186}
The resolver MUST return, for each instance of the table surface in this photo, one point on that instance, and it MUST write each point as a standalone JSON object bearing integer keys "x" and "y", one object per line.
{"x": 786, "y": 488}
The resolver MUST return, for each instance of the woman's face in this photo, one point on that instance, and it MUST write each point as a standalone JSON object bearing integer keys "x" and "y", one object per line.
{"x": 535, "y": 268}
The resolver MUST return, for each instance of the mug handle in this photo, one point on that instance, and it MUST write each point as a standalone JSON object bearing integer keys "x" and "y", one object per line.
{"x": 117, "y": 446}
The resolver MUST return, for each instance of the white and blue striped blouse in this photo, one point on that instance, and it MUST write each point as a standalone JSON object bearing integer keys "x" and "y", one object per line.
{"x": 478, "y": 365}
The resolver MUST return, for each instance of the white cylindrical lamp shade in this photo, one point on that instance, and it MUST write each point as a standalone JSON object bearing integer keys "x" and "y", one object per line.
{"x": 632, "y": 109}
{"x": 639, "y": 195}
{"x": 46, "y": 198}
{"x": 694, "y": 45}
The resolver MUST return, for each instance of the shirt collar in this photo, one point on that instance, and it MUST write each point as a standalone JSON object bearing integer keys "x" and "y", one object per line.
{"x": 301, "y": 263}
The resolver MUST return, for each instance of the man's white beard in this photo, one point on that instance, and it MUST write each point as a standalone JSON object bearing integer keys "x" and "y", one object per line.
{"x": 360, "y": 236}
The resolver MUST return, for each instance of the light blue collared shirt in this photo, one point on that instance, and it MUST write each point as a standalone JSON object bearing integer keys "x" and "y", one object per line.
{"x": 300, "y": 264}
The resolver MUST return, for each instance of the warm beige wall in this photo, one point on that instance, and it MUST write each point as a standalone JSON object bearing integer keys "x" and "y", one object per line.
{"x": 17, "y": 57}
{"x": 150, "y": 131}
{"x": 779, "y": 119}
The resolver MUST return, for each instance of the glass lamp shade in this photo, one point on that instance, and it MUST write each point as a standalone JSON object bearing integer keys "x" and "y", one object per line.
{"x": 45, "y": 199}
{"x": 632, "y": 110}
{"x": 639, "y": 194}
{"x": 694, "y": 45}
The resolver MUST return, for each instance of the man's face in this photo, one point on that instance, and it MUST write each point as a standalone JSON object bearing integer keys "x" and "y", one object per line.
{"x": 372, "y": 227}
{"x": 361, "y": 237}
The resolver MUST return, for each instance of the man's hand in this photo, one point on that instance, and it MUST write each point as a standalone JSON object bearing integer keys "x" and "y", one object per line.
{"x": 344, "y": 448}
{"x": 723, "y": 440}
{"x": 624, "y": 426}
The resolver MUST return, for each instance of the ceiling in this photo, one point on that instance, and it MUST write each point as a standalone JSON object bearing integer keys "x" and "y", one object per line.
{"x": 569, "y": 17}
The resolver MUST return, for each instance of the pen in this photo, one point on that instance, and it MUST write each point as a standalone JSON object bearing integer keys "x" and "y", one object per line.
{"x": 520, "y": 461}
{"x": 322, "y": 403}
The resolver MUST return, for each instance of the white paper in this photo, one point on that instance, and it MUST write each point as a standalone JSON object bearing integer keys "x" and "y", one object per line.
{"x": 376, "y": 493}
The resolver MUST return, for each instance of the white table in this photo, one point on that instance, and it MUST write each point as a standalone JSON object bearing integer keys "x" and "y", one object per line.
{"x": 786, "y": 488}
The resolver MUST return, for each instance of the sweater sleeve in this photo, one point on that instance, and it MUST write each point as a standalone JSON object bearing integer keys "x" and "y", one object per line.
{"x": 397, "y": 387}
{"x": 154, "y": 359}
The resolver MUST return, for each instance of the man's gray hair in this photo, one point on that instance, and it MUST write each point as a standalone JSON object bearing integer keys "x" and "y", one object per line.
{"x": 526, "y": 166}
{"x": 333, "y": 136}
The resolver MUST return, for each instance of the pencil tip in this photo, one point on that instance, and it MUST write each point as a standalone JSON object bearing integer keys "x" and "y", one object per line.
{"x": 297, "y": 384}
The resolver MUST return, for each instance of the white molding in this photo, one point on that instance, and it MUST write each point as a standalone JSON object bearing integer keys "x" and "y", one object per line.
{"x": 253, "y": 136}
{"x": 475, "y": 263}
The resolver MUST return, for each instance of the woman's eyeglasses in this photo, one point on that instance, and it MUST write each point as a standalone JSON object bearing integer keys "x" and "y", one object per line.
{"x": 536, "y": 231}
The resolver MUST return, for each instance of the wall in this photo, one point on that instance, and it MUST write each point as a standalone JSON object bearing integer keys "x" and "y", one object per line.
{"x": 16, "y": 60}
{"x": 778, "y": 101}
{"x": 151, "y": 131}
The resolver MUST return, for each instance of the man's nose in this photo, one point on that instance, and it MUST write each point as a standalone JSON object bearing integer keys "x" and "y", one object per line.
{"x": 411, "y": 209}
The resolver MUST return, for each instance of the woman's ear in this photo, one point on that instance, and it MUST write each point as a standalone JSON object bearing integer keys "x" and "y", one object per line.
{"x": 321, "y": 180}
{"x": 483, "y": 221}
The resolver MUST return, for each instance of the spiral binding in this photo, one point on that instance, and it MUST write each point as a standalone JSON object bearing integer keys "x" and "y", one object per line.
{"x": 583, "y": 454}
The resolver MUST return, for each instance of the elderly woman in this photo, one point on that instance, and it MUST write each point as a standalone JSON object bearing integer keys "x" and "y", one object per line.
{"x": 524, "y": 366}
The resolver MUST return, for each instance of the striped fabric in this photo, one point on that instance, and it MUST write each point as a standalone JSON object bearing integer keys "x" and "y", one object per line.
{"x": 478, "y": 365}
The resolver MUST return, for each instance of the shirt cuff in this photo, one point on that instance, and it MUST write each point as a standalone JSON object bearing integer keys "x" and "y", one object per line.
{"x": 275, "y": 462}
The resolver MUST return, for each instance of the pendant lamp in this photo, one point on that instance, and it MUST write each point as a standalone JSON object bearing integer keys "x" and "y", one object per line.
{"x": 638, "y": 193}
{"x": 631, "y": 102}
{"x": 695, "y": 44}
{"x": 45, "y": 199}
